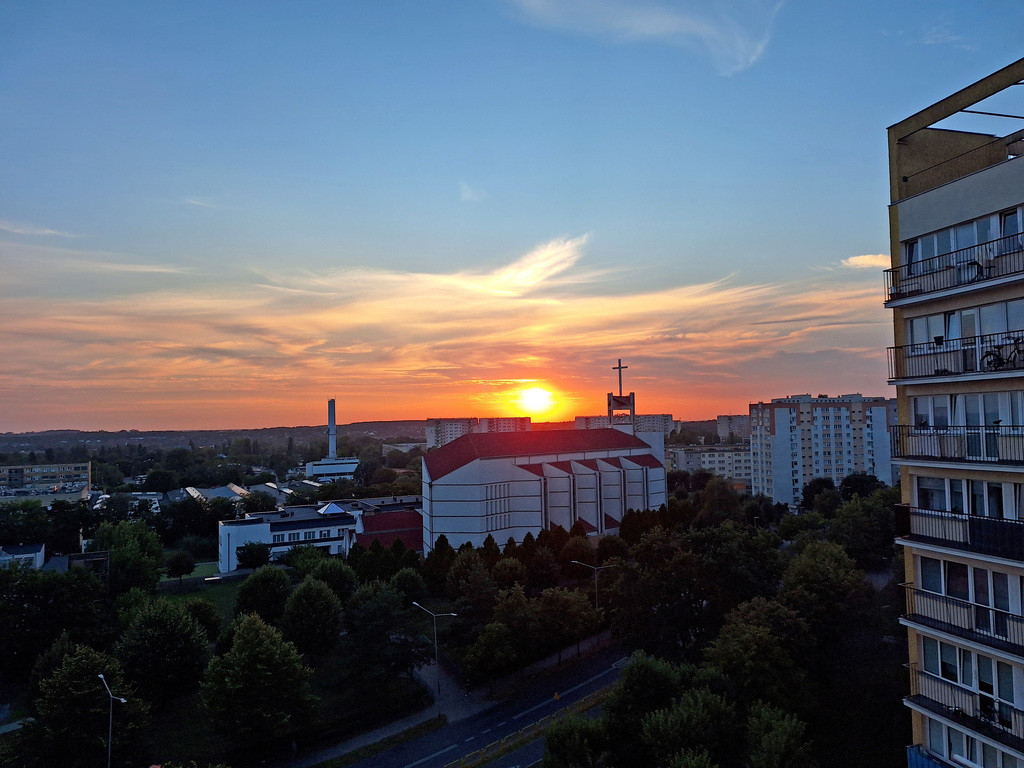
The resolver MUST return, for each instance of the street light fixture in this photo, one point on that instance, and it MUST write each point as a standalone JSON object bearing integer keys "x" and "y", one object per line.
{"x": 110, "y": 729}
{"x": 437, "y": 657}
{"x": 595, "y": 569}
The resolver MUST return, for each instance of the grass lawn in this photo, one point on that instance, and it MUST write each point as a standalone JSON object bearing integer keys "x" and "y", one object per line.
{"x": 202, "y": 569}
{"x": 221, "y": 593}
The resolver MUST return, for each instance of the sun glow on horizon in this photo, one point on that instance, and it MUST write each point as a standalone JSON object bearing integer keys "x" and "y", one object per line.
{"x": 535, "y": 400}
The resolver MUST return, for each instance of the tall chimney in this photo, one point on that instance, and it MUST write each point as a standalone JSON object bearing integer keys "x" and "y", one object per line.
{"x": 332, "y": 431}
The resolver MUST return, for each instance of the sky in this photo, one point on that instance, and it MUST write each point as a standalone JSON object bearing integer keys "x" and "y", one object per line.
{"x": 219, "y": 215}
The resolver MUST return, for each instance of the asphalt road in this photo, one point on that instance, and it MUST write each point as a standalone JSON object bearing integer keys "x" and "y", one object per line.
{"x": 457, "y": 740}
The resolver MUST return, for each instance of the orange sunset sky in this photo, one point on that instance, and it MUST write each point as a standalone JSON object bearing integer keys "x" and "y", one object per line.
{"x": 220, "y": 216}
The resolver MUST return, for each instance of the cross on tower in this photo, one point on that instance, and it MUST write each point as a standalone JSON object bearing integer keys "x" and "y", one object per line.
{"x": 620, "y": 368}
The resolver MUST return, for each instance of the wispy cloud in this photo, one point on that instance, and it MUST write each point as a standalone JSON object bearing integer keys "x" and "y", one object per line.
{"x": 868, "y": 261}
{"x": 400, "y": 344}
{"x": 735, "y": 33}
{"x": 28, "y": 229}
{"x": 470, "y": 194}
{"x": 202, "y": 202}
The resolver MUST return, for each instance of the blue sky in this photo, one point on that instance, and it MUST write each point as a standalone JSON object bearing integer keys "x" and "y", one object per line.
{"x": 220, "y": 214}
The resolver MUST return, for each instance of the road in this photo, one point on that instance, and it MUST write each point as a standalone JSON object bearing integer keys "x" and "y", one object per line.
{"x": 462, "y": 738}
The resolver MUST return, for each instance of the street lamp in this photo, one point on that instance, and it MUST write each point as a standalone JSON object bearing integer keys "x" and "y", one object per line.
{"x": 595, "y": 569}
{"x": 437, "y": 657}
{"x": 110, "y": 729}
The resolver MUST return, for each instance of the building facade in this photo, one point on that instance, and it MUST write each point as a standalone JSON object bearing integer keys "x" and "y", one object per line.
{"x": 737, "y": 426}
{"x": 69, "y": 477}
{"x": 443, "y": 431}
{"x": 956, "y": 288}
{"x": 732, "y": 462}
{"x": 642, "y": 422}
{"x": 510, "y": 484}
{"x": 798, "y": 438}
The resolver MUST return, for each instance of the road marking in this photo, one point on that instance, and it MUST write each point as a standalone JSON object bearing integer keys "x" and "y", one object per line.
{"x": 487, "y": 731}
{"x": 469, "y": 739}
{"x": 431, "y": 757}
{"x": 570, "y": 690}
{"x": 501, "y": 723}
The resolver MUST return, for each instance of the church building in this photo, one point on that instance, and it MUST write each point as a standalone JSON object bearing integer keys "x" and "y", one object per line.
{"x": 508, "y": 484}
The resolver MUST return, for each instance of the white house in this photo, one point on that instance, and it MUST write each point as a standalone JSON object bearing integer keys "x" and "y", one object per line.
{"x": 513, "y": 483}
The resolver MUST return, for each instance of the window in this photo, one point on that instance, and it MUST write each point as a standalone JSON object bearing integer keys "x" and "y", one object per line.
{"x": 278, "y": 538}
{"x": 307, "y": 535}
{"x": 957, "y": 584}
{"x": 325, "y": 534}
{"x": 293, "y": 536}
{"x": 931, "y": 575}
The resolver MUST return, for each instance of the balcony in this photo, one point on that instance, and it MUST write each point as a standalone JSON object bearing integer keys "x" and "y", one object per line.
{"x": 976, "y": 265}
{"x": 997, "y": 629}
{"x": 994, "y": 444}
{"x": 993, "y": 536}
{"x": 969, "y": 709}
{"x": 991, "y": 353}
{"x": 918, "y": 758}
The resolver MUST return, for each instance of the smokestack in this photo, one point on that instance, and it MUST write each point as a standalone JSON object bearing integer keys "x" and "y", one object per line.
{"x": 332, "y": 431}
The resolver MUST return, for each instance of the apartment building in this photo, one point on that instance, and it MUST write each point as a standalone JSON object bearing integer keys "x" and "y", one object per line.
{"x": 797, "y": 438}
{"x": 642, "y": 422}
{"x": 729, "y": 461}
{"x": 956, "y": 288}
{"x": 443, "y": 431}
{"x": 69, "y": 476}
{"x": 737, "y": 426}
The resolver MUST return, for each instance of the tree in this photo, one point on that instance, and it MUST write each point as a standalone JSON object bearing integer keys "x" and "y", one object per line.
{"x": 382, "y": 641}
{"x": 161, "y": 481}
{"x": 817, "y": 584}
{"x": 813, "y": 487}
{"x": 303, "y": 558}
{"x": 312, "y": 617}
{"x": 543, "y": 570}
{"x": 508, "y": 571}
{"x": 757, "y": 663}
{"x": 164, "y": 651}
{"x": 859, "y": 484}
{"x": 565, "y": 615}
{"x": 72, "y": 712}
{"x": 471, "y": 587}
{"x": 776, "y": 739}
{"x": 253, "y": 554}
{"x": 697, "y": 720}
{"x": 258, "y": 690}
{"x": 338, "y": 575}
{"x": 576, "y": 742}
{"x": 135, "y": 554}
{"x": 264, "y": 592}
{"x": 410, "y": 586}
{"x": 180, "y": 563}
{"x": 489, "y": 552}
{"x": 255, "y": 502}
{"x": 493, "y": 652}
{"x": 577, "y": 548}
{"x": 206, "y": 615}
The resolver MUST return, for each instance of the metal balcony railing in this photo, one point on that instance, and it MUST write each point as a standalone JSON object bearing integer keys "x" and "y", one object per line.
{"x": 976, "y": 264}
{"x": 1000, "y": 629}
{"x": 982, "y": 713}
{"x": 999, "y": 444}
{"x": 990, "y": 353}
{"x": 994, "y": 536}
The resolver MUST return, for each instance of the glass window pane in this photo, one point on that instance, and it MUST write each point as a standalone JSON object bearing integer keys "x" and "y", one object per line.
{"x": 956, "y": 495}
{"x": 995, "y": 500}
{"x": 986, "y": 680}
{"x": 956, "y": 581}
{"x": 936, "y": 738}
{"x": 931, "y": 575}
{"x": 981, "y": 586}
{"x": 956, "y": 743}
{"x": 1015, "y": 314}
{"x": 966, "y": 668}
{"x": 1005, "y": 681}
{"x": 948, "y": 661}
{"x": 984, "y": 229}
{"x": 965, "y": 236}
{"x": 993, "y": 318}
{"x": 930, "y": 649}
{"x": 989, "y": 756}
{"x": 943, "y": 241}
{"x": 1000, "y": 591}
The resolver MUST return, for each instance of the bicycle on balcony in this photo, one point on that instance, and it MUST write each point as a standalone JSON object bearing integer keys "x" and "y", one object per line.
{"x": 995, "y": 360}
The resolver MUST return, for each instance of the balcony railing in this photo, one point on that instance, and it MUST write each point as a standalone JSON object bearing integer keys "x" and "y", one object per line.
{"x": 999, "y": 444}
{"x": 954, "y": 357}
{"x": 976, "y": 264}
{"x": 917, "y": 757}
{"x": 999, "y": 629}
{"x": 977, "y": 711}
{"x": 994, "y": 536}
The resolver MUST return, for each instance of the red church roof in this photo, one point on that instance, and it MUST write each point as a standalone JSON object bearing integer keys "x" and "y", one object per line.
{"x": 488, "y": 445}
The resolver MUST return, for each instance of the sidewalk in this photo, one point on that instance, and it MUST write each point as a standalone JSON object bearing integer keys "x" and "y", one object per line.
{"x": 453, "y": 701}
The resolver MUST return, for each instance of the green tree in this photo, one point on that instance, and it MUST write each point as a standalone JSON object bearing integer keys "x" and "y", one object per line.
{"x": 576, "y": 742}
{"x": 859, "y": 484}
{"x": 303, "y": 559}
{"x": 253, "y": 554}
{"x": 577, "y": 548}
{"x": 164, "y": 651}
{"x": 382, "y": 642}
{"x": 776, "y": 739}
{"x": 508, "y": 571}
{"x": 492, "y": 653}
{"x": 206, "y": 615}
{"x": 258, "y": 690}
{"x": 161, "y": 481}
{"x": 264, "y": 592}
{"x": 515, "y": 611}
{"x": 471, "y": 587}
{"x": 564, "y": 616}
{"x": 817, "y": 584}
{"x": 312, "y": 617}
{"x": 72, "y": 713}
{"x": 338, "y": 575}
{"x": 543, "y": 569}
{"x": 757, "y": 663}
{"x": 697, "y": 720}
{"x": 135, "y": 555}
{"x": 258, "y": 501}
{"x": 410, "y": 586}
{"x": 180, "y": 563}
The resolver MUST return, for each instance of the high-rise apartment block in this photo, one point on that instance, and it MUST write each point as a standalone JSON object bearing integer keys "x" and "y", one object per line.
{"x": 956, "y": 288}
{"x": 443, "y": 431}
{"x": 735, "y": 426}
{"x": 642, "y": 422}
{"x": 798, "y": 438}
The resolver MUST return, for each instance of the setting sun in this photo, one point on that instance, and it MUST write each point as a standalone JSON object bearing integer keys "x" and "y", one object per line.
{"x": 535, "y": 400}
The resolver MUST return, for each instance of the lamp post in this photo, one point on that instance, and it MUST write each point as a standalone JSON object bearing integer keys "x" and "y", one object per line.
{"x": 595, "y": 569}
{"x": 437, "y": 657}
{"x": 110, "y": 728}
